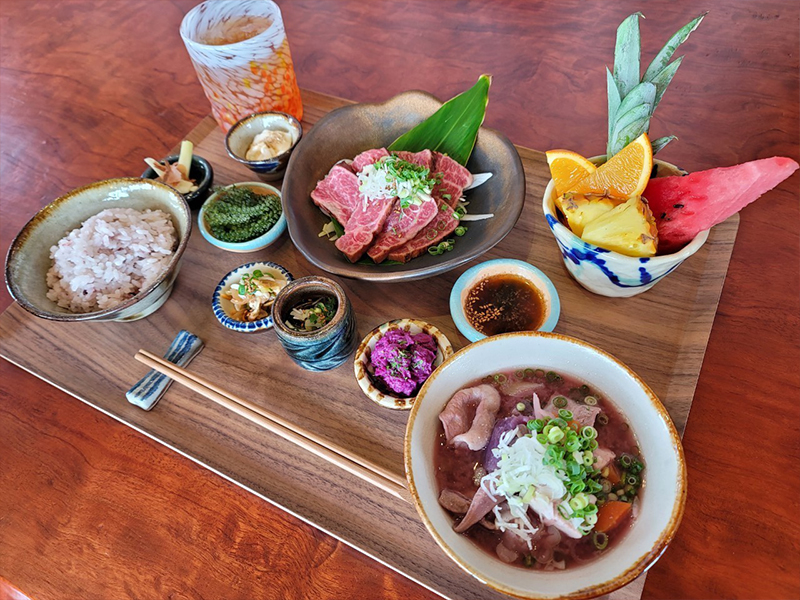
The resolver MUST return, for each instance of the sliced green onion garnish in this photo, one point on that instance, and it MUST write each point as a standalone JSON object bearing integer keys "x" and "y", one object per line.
{"x": 590, "y": 400}
{"x": 528, "y": 372}
{"x": 555, "y": 435}
{"x": 600, "y": 540}
{"x": 539, "y": 372}
{"x": 519, "y": 374}
{"x": 500, "y": 378}
{"x": 520, "y": 406}
{"x": 602, "y": 418}
{"x": 559, "y": 402}
{"x": 460, "y": 230}
{"x": 565, "y": 414}
{"x": 552, "y": 376}
{"x": 541, "y": 438}
{"x": 589, "y": 432}
{"x": 625, "y": 460}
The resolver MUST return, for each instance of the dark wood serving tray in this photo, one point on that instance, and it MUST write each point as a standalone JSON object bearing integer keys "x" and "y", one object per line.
{"x": 662, "y": 334}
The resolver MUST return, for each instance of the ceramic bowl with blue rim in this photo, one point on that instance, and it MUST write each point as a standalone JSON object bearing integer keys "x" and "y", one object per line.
{"x": 225, "y": 311}
{"x": 609, "y": 273}
{"x": 258, "y": 243}
{"x": 244, "y": 131}
{"x": 502, "y": 266}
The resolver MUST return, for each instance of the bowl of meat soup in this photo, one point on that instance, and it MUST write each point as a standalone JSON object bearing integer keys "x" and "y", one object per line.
{"x": 486, "y": 481}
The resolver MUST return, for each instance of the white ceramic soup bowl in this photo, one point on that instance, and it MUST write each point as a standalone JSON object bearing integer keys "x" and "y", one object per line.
{"x": 664, "y": 492}
{"x": 609, "y": 273}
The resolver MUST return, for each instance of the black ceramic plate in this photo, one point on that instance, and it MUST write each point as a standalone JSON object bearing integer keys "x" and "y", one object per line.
{"x": 345, "y": 132}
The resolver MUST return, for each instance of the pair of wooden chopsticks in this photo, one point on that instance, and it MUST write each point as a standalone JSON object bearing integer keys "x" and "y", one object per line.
{"x": 333, "y": 453}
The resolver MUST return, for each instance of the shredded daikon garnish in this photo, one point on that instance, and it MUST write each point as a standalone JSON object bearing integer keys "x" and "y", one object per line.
{"x": 393, "y": 177}
{"x": 524, "y": 480}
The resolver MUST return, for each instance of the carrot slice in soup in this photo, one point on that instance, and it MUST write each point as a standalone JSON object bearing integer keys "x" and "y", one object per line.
{"x": 611, "y": 514}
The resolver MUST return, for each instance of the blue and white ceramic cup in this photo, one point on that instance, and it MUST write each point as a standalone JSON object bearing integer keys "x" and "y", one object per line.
{"x": 610, "y": 273}
{"x": 322, "y": 349}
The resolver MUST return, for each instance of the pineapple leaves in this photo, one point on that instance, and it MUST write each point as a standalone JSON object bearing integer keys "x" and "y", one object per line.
{"x": 663, "y": 79}
{"x": 661, "y": 142}
{"x": 613, "y": 102}
{"x": 627, "y": 54}
{"x": 452, "y": 129}
{"x": 628, "y": 127}
{"x": 636, "y": 109}
{"x": 665, "y": 54}
{"x": 631, "y": 101}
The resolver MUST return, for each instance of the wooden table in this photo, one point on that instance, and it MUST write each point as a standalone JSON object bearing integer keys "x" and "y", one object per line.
{"x": 90, "y": 509}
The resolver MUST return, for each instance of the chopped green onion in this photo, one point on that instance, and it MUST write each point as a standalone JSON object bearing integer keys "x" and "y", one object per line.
{"x": 573, "y": 445}
{"x": 592, "y": 445}
{"x": 565, "y": 414}
{"x": 602, "y": 418}
{"x": 588, "y": 459}
{"x": 625, "y": 461}
{"x": 623, "y": 498}
{"x": 606, "y": 485}
{"x": 460, "y": 230}
{"x": 591, "y": 519}
{"x": 589, "y": 432}
{"x": 632, "y": 480}
{"x": 500, "y": 378}
{"x": 520, "y": 406}
{"x": 555, "y": 435}
{"x": 590, "y": 401}
{"x": 434, "y": 251}
{"x": 558, "y": 422}
{"x": 528, "y": 560}
{"x": 528, "y": 372}
{"x": 600, "y": 540}
{"x": 541, "y": 438}
{"x": 539, "y": 372}
{"x": 519, "y": 374}
{"x": 559, "y": 402}
{"x": 242, "y": 290}
{"x": 536, "y": 425}
{"x": 553, "y": 376}
{"x": 585, "y": 388}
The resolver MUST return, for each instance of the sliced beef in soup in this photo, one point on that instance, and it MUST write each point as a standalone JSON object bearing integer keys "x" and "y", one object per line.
{"x": 537, "y": 469}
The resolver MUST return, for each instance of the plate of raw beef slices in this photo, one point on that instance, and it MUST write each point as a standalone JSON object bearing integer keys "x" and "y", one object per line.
{"x": 336, "y": 172}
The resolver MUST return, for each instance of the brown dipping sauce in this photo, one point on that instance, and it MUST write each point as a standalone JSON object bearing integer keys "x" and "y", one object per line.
{"x": 504, "y": 303}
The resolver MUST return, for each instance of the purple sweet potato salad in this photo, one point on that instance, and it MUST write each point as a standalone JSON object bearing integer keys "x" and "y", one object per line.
{"x": 403, "y": 361}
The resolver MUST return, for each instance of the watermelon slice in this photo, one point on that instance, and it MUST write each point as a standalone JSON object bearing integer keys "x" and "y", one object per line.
{"x": 685, "y": 206}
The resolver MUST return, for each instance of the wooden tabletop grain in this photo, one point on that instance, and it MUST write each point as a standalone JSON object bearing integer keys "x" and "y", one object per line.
{"x": 90, "y": 509}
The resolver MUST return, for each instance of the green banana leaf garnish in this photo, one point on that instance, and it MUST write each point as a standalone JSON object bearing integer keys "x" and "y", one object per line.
{"x": 452, "y": 129}
{"x": 631, "y": 102}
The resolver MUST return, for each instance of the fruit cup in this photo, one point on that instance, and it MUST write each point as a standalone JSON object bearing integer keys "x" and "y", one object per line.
{"x": 610, "y": 273}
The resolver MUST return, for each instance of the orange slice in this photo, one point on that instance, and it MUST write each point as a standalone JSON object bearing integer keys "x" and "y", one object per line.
{"x": 624, "y": 176}
{"x": 567, "y": 168}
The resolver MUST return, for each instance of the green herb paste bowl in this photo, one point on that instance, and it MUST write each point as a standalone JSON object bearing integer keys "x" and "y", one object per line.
{"x": 255, "y": 244}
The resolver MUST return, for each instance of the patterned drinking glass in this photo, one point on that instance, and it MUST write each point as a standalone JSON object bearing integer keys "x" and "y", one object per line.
{"x": 240, "y": 52}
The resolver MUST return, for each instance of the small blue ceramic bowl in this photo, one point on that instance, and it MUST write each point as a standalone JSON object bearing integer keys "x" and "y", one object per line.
{"x": 241, "y": 135}
{"x": 502, "y": 266}
{"x": 258, "y": 243}
{"x": 223, "y": 309}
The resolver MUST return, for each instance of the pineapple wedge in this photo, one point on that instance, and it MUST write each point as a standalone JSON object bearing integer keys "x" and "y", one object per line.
{"x": 629, "y": 229}
{"x": 580, "y": 209}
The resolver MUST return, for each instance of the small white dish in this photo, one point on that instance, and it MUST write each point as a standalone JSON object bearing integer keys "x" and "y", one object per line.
{"x": 363, "y": 369}
{"x": 502, "y": 266}
{"x": 662, "y": 502}
{"x": 223, "y": 308}
{"x": 253, "y": 245}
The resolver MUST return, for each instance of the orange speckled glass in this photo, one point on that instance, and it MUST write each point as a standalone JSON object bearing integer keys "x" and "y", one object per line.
{"x": 240, "y": 52}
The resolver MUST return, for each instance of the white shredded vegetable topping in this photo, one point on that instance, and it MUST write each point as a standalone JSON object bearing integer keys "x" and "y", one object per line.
{"x": 478, "y": 179}
{"x": 480, "y": 217}
{"x": 525, "y": 481}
